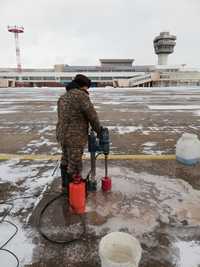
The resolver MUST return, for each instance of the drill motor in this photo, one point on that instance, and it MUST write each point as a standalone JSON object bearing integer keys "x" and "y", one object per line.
{"x": 100, "y": 144}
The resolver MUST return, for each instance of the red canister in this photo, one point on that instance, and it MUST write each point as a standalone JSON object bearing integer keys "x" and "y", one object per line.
{"x": 106, "y": 184}
{"x": 77, "y": 196}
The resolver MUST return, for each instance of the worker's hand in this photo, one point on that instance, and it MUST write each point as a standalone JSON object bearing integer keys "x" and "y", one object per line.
{"x": 100, "y": 132}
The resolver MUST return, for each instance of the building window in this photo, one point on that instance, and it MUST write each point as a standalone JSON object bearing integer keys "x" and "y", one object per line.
{"x": 65, "y": 78}
{"x": 49, "y": 78}
{"x": 36, "y": 78}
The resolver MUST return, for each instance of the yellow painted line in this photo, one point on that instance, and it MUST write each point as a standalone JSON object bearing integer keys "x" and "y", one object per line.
{"x": 111, "y": 157}
{"x": 142, "y": 157}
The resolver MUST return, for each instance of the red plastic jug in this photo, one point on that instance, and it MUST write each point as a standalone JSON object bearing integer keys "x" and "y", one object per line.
{"x": 77, "y": 196}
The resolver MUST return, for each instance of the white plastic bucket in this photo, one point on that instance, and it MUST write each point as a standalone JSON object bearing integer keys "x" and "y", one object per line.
{"x": 188, "y": 149}
{"x": 119, "y": 249}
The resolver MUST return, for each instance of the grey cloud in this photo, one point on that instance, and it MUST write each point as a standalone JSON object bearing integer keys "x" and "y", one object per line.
{"x": 80, "y": 32}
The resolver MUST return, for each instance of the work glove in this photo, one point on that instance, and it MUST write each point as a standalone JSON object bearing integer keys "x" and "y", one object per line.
{"x": 100, "y": 132}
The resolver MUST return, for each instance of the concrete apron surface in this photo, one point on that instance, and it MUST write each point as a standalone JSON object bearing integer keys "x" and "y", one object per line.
{"x": 156, "y": 201}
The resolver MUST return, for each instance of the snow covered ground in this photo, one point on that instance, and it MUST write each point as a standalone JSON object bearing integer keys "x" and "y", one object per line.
{"x": 30, "y": 181}
{"x": 21, "y": 244}
{"x": 189, "y": 253}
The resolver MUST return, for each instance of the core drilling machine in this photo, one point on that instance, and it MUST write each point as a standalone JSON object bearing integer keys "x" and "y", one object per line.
{"x": 97, "y": 146}
{"x": 76, "y": 200}
{"x": 78, "y": 187}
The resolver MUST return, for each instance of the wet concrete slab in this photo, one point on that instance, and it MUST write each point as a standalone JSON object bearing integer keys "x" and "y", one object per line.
{"x": 157, "y": 209}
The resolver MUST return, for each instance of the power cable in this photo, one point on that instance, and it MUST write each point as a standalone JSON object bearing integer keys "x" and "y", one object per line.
{"x": 64, "y": 242}
{"x": 3, "y": 220}
{"x": 2, "y": 247}
{"x": 81, "y": 236}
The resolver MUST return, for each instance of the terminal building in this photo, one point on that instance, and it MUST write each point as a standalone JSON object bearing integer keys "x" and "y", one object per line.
{"x": 103, "y": 74}
{"x": 110, "y": 72}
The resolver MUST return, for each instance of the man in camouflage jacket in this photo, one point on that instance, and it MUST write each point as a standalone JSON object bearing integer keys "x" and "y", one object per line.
{"x": 75, "y": 113}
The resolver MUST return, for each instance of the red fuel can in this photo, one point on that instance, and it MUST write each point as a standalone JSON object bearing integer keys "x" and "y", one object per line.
{"x": 77, "y": 196}
{"x": 106, "y": 184}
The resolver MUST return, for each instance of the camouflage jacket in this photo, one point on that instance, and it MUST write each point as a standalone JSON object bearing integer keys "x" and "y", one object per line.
{"x": 75, "y": 113}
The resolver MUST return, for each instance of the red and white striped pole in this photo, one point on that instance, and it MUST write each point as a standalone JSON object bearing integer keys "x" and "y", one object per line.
{"x": 17, "y": 30}
{"x": 19, "y": 66}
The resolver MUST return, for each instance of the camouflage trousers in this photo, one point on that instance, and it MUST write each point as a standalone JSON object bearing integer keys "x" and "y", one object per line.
{"x": 72, "y": 158}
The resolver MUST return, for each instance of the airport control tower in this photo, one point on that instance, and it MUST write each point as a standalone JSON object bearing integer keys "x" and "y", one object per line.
{"x": 164, "y": 46}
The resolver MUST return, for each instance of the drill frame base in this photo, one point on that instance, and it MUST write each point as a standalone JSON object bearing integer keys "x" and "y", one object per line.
{"x": 91, "y": 186}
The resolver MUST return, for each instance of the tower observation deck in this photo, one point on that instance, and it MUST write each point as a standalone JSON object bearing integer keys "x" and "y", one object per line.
{"x": 164, "y": 46}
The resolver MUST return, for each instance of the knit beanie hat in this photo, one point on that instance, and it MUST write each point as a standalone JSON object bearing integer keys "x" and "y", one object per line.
{"x": 82, "y": 80}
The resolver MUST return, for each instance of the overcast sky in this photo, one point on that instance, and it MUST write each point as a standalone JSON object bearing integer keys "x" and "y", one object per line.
{"x": 82, "y": 31}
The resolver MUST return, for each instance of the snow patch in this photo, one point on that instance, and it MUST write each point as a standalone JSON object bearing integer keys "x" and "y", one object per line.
{"x": 189, "y": 253}
{"x": 197, "y": 113}
{"x": 148, "y": 149}
{"x": 8, "y": 111}
{"x": 112, "y": 103}
{"x": 35, "y": 145}
{"x": 125, "y": 129}
{"x": 173, "y": 107}
{"x": 21, "y": 244}
{"x": 47, "y": 129}
{"x": 150, "y": 144}
{"x": 31, "y": 177}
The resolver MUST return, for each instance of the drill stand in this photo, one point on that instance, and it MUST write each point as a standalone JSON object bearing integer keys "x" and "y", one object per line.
{"x": 97, "y": 146}
{"x": 92, "y": 183}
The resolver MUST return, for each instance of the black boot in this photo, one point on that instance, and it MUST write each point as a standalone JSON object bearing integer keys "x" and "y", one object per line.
{"x": 65, "y": 179}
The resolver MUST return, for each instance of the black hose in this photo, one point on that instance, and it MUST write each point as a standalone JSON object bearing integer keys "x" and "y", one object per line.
{"x": 16, "y": 231}
{"x": 60, "y": 242}
{"x": 64, "y": 242}
{"x": 11, "y": 253}
{"x": 2, "y": 247}
{"x": 3, "y": 220}
{"x": 55, "y": 169}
